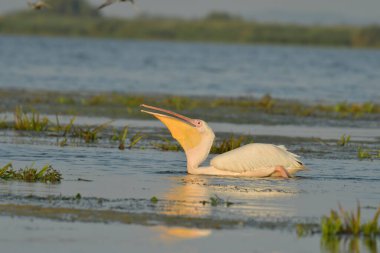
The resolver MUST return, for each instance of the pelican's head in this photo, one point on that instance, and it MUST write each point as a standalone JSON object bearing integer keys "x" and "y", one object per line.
{"x": 194, "y": 135}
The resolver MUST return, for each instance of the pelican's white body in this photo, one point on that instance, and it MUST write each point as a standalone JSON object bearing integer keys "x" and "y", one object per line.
{"x": 252, "y": 160}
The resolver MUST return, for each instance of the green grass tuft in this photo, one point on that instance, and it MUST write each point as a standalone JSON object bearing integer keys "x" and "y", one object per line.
{"x": 343, "y": 222}
{"x": 344, "y": 140}
{"x": 364, "y": 154}
{"x": 154, "y": 200}
{"x": 29, "y": 122}
{"x": 121, "y": 137}
{"x": 136, "y": 138}
{"x": 90, "y": 135}
{"x": 46, "y": 174}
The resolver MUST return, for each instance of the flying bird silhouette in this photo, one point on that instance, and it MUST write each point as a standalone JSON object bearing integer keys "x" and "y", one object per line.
{"x": 39, "y": 5}
{"x": 109, "y": 2}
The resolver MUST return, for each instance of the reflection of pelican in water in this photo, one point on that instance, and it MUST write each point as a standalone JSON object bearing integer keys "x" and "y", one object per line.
{"x": 184, "y": 201}
{"x": 171, "y": 234}
{"x": 253, "y": 198}
{"x": 185, "y": 198}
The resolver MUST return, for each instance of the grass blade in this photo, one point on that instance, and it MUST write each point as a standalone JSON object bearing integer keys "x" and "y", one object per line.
{"x": 42, "y": 171}
{"x": 5, "y": 168}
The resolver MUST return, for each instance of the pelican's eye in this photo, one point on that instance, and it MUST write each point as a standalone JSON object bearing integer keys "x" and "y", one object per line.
{"x": 198, "y": 123}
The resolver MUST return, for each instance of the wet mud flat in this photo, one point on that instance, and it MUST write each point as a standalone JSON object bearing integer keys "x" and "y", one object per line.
{"x": 109, "y": 195}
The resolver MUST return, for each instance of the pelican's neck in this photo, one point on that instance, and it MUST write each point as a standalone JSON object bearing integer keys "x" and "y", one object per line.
{"x": 198, "y": 154}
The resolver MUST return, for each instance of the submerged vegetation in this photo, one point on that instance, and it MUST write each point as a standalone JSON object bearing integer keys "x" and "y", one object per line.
{"x": 121, "y": 137}
{"x": 217, "y": 201}
{"x": 46, "y": 174}
{"x": 90, "y": 134}
{"x": 118, "y": 104}
{"x": 228, "y": 144}
{"x": 344, "y": 140}
{"x": 368, "y": 154}
{"x": 237, "y": 110}
{"x": 79, "y": 18}
{"x": 154, "y": 200}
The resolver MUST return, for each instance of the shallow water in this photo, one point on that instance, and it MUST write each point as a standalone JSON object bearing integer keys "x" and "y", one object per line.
{"x": 127, "y": 180}
{"x": 263, "y": 213}
{"x": 74, "y": 237}
{"x": 302, "y": 73}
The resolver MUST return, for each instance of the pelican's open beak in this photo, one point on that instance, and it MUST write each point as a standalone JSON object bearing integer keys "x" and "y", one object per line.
{"x": 182, "y": 128}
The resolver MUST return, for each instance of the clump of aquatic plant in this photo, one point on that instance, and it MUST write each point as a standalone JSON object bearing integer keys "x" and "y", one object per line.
{"x": 4, "y": 171}
{"x": 228, "y": 144}
{"x": 306, "y": 229}
{"x": 344, "y": 140}
{"x": 266, "y": 102}
{"x": 122, "y": 137}
{"x": 217, "y": 201}
{"x": 135, "y": 139}
{"x": 64, "y": 100}
{"x": 167, "y": 145}
{"x": 29, "y": 122}
{"x": 154, "y": 199}
{"x": 364, "y": 154}
{"x": 66, "y": 129}
{"x": 89, "y": 134}
{"x": 46, "y": 174}
{"x": 95, "y": 100}
{"x": 343, "y": 222}
{"x": 63, "y": 142}
{"x": 3, "y": 123}
{"x": 355, "y": 109}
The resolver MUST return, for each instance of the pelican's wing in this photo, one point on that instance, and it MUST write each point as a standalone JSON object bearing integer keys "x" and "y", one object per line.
{"x": 256, "y": 156}
{"x": 106, "y": 3}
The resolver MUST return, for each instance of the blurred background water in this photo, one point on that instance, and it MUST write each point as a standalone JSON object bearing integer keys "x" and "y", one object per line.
{"x": 295, "y": 72}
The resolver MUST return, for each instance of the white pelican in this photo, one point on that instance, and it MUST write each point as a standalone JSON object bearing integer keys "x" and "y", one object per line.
{"x": 109, "y": 2}
{"x": 252, "y": 160}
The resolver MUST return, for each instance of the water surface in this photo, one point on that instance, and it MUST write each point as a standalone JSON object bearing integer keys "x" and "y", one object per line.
{"x": 303, "y": 73}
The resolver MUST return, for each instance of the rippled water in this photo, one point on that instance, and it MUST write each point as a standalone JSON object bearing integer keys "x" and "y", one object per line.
{"x": 141, "y": 174}
{"x": 123, "y": 182}
{"x": 302, "y": 73}
{"x": 73, "y": 237}
{"x": 126, "y": 180}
